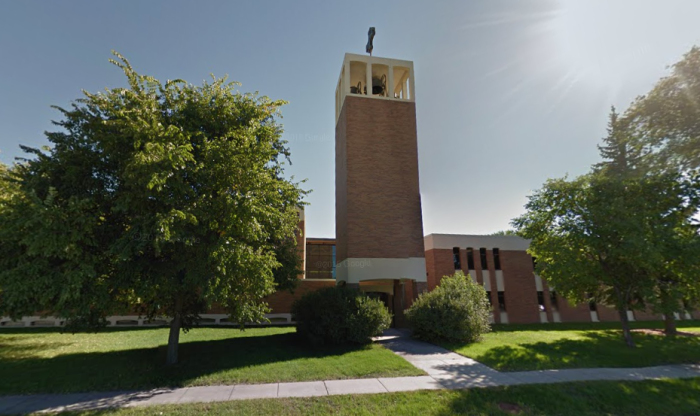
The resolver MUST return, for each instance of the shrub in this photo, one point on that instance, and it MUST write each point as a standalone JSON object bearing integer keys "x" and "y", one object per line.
{"x": 457, "y": 310}
{"x": 339, "y": 315}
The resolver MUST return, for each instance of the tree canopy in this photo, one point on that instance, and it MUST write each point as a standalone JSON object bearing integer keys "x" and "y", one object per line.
{"x": 608, "y": 239}
{"x": 666, "y": 120}
{"x": 626, "y": 235}
{"x": 163, "y": 198}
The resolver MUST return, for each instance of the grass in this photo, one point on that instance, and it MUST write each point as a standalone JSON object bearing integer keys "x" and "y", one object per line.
{"x": 46, "y": 361}
{"x": 550, "y": 346}
{"x": 638, "y": 398}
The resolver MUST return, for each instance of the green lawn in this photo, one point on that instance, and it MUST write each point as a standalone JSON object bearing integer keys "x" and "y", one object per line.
{"x": 548, "y": 346}
{"x": 640, "y": 398}
{"x": 46, "y": 361}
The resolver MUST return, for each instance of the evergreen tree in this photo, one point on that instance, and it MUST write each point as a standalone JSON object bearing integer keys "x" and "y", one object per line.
{"x": 621, "y": 158}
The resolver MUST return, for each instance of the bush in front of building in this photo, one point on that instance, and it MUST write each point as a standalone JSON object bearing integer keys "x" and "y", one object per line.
{"x": 340, "y": 315}
{"x": 456, "y": 310}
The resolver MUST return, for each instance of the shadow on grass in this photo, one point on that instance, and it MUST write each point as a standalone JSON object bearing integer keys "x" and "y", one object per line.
{"x": 144, "y": 367}
{"x": 597, "y": 349}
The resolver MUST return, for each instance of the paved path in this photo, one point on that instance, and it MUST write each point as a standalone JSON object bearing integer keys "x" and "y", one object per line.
{"x": 454, "y": 371}
{"x": 445, "y": 369}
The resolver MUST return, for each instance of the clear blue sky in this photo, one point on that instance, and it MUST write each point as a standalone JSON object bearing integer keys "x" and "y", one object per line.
{"x": 508, "y": 93}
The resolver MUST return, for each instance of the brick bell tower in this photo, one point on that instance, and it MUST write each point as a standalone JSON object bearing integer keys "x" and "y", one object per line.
{"x": 379, "y": 227}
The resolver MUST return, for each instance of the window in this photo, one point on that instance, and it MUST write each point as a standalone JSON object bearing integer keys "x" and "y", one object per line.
{"x": 497, "y": 259}
{"x": 488, "y": 296}
{"x": 502, "y": 301}
{"x": 470, "y": 258}
{"x": 534, "y": 263}
{"x": 553, "y": 301}
{"x": 482, "y": 254}
{"x": 591, "y": 303}
{"x": 320, "y": 261}
{"x": 540, "y": 301}
{"x": 455, "y": 258}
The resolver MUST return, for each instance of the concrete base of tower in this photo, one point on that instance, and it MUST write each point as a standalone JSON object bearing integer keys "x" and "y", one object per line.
{"x": 356, "y": 270}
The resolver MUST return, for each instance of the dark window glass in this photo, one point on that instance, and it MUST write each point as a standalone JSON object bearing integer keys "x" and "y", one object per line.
{"x": 553, "y": 300}
{"x": 497, "y": 259}
{"x": 482, "y": 254}
{"x": 591, "y": 303}
{"x": 470, "y": 258}
{"x": 540, "y": 301}
{"x": 534, "y": 263}
{"x": 320, "y": 261}
{"x": 502, "y": 301}
{"x": 488, "y": 296}
{"x": 455, "y": 258}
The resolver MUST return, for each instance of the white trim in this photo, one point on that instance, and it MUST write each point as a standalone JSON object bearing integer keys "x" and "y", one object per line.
{"x": 487, "y": 280}
{"x": 556, "y": 317}
{"x": 594, "y": 316}
{"x": 504, "y": 317}
{"x": 500, "y": 285}
{"x": 356, "y": 270}
{"x": 448, "y": 241}
{"x": 538, "y": 284}
{"x": 543, "y": 317}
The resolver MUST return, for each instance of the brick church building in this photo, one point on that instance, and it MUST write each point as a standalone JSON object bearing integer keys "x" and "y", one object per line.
{"x": 380, "y": 246}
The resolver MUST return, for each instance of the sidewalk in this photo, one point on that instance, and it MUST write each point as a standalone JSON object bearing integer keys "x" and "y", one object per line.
{"x": 454, "y": 371}
{"x": 445, "y": 369}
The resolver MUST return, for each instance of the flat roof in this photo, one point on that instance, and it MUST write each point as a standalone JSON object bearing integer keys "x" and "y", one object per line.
{"x": 449, "y": 241}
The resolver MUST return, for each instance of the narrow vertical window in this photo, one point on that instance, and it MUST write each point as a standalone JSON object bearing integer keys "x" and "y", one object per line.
{"x": 470, "y": 258}
{"x": 540, "y": 301}
{"x": 591, "y": 303}
{"x": 455, "y": 258}
{"x": 497, "y": 259}
{"x": 534, "y": 263}
{"x": 488, "y": 296}
{"x": 553, "y": 301}
{"x": 482, "y": 254}
{"x": 502, "y": 301}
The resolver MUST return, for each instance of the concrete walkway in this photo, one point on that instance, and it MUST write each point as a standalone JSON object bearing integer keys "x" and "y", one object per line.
{"x": 454, "y": 371}
{"x": 445, "y": 369}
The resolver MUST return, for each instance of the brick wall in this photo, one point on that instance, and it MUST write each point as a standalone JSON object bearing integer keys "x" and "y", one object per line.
{"x": 606, "y": 314}
{"x": 378, "y": 208}
{"x": 570, "y": 313}
{"x": 520, "y": 289}
{"x": 281, "y": 302}
{"x": 438, "y": 263}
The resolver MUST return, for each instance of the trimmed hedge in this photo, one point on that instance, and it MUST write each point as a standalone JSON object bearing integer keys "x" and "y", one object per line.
{"x": 339, "y": 315}
{"x": 456, "y": 310}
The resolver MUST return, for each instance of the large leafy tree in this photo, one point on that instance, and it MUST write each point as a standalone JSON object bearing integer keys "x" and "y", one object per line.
{"x": 667, "y": 119}
{"x": 160, "y": 197}
{"x": 600, "y": 237}
{"x": 675, "y": 238}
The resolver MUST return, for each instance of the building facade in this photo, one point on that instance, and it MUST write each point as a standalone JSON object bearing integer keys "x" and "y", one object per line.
{"x": 379, "y": 246}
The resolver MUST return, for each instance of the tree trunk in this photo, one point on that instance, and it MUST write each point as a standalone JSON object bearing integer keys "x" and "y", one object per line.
{"x": 670, "y": 324}
{"x": 626, "y": 333}
{"x": 174, "y": 340}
